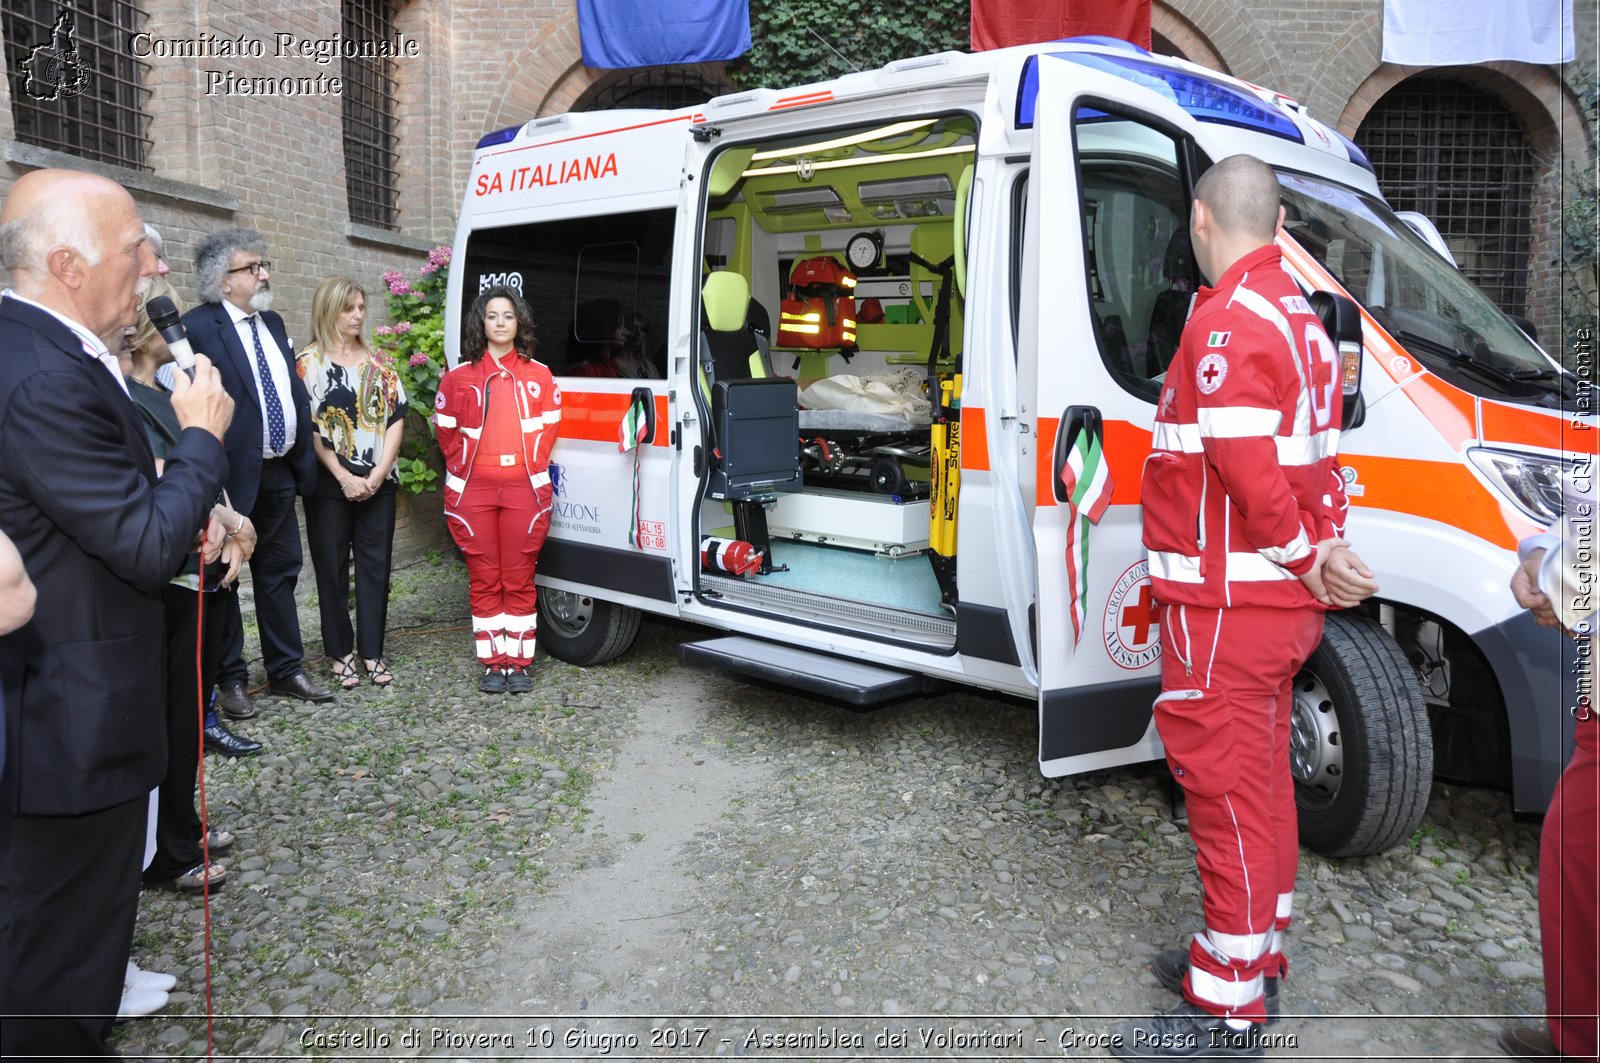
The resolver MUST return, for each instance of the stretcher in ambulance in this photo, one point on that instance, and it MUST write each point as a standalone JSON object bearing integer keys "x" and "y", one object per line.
{"x": 1015, "y": 226}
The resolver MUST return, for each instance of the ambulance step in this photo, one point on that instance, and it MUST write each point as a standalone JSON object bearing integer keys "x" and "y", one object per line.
{"x": 816, "y": 673}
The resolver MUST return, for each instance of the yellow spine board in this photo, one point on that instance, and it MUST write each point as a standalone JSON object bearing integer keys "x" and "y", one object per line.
{"x": 946, "y": 487}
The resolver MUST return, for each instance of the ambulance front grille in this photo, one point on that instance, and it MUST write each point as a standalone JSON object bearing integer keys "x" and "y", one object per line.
{"x": 823, "y": 608}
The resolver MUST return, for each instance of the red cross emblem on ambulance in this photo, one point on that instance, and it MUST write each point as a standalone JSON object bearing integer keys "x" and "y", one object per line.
{"x": 1132, "y": 621}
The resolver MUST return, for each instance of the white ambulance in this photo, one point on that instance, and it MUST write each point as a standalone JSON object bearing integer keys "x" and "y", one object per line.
{"x": 1009, "y": 229}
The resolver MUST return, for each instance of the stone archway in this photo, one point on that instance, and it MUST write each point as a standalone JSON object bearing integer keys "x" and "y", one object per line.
{"x": 1555, "y": 137}
{"x": 659, "y": 87}
{"x": 1172, "y": 34}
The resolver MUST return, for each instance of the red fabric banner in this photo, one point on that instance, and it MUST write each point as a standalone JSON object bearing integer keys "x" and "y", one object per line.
{"x": 1002, "y": 23}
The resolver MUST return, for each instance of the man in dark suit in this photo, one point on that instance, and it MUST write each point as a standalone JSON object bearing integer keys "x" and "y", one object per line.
{"x": 270, "y": 457}
{"x": 100, "y": 535}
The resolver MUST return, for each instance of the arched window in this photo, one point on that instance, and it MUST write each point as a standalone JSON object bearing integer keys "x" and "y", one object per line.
{"x": 1460, "y": 156}
{"x": 658, "y": 88}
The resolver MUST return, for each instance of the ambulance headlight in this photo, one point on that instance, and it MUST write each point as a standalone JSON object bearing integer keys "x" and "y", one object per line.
{"x": 1531, "y": 482}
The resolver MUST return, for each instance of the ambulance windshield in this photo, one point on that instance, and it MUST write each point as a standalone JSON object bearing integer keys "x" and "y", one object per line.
{"x": 1418, "y": 297}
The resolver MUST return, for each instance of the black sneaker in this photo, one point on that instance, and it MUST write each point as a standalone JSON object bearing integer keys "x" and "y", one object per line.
{"x": 518, "y": 681}
{"x": 1186, "y": 1032}
{"x": 1170, "y": 966}
{"x": 493, "y": 681}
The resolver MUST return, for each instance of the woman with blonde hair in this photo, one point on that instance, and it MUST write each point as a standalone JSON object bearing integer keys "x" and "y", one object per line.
{"x": 358, "y": 411}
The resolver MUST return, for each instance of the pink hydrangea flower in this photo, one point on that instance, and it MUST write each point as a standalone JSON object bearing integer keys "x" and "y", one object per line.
{"x": 402, "y": 327}
{"x": 437, "y": 258}
{"x": 419, "y": 359}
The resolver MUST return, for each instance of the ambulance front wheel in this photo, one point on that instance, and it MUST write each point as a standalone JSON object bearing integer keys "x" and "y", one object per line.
{"x": 582, "y": 630}
{"x": 1360, "y": 747}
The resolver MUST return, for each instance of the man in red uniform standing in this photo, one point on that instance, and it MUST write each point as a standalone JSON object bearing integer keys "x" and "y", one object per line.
{"x": 1243, "y": 518}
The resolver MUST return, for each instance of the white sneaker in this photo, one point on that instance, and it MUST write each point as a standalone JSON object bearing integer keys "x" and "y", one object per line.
{"x": 138, "y": 1002}
{"x": 138, "y": 976}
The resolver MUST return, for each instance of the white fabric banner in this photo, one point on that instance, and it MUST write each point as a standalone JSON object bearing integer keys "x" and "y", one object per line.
{"x": 1460, "y": 32}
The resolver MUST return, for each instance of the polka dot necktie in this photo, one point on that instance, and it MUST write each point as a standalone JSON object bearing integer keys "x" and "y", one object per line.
{"x": 277, "y": 432}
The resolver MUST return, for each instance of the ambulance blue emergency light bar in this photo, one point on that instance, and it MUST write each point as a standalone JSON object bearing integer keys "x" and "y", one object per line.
{"x": 1207, "y": 99}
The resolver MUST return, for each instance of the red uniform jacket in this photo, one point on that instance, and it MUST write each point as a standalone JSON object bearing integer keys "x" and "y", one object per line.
{"x": 460, "y": 408}
{"x": 1243, "y": 478}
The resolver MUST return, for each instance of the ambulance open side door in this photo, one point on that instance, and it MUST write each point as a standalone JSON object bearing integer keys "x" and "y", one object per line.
{"x": 1108, "y": 193}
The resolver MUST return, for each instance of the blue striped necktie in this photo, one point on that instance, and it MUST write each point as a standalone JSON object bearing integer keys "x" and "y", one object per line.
{"x": 277, "y": 432}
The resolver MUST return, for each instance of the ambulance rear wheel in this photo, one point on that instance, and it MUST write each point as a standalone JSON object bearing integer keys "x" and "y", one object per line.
{"x": 582, "y": 630}
{"x": 1360, "y": 748}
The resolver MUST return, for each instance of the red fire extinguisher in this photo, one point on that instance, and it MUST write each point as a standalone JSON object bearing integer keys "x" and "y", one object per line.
{"x": 733, "y": 556}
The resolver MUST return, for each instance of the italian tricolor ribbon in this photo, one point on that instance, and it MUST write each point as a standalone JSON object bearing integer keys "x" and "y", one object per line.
{"x": 1086, "y": 475}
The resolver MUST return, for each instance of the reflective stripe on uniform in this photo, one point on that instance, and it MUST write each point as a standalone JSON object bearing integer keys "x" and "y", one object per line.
{"x": 1301, "y": 450}
{"x": 444, "y": 420}
{"x": 1236, "y": 422}
{"x": 1251, "y": 567}
{"x": 1174, "y": 567}
{"x": 1297, "y": 548}
{"x": 1180, "y": 437}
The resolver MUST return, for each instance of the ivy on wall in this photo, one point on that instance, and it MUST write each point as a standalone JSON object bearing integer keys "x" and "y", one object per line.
{"x": 798, "y": 41}
{"x": 1580, "y": 223}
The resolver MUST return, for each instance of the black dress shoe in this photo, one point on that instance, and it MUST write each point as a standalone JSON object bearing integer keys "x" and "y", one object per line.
{"x": 493, "y": 681}
{"x": 518, "y": 681}
{"x": 300, "y": 686}
{"x": 233, "y": 698}
{"x": 221, "y": 740}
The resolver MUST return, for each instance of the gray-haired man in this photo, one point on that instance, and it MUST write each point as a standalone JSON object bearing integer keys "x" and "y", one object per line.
{"x": 270, "y": 459}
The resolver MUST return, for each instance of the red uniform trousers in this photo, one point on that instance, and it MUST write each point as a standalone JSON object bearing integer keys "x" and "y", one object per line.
{"x": 500, "y": 524}
{"x": 1223, "y": 715}
{"x": 1569, "y": 899}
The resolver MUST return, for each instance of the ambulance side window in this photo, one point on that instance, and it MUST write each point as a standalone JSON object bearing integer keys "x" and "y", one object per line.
{"x": 598, "y": 286}
{"x": 1139, "y": 266}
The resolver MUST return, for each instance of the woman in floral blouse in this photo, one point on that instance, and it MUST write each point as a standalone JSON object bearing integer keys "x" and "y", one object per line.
{"x": 358, "y": 407}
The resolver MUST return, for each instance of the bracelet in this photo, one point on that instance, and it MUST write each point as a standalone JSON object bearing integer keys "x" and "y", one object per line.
{"x": 237, "y": 529}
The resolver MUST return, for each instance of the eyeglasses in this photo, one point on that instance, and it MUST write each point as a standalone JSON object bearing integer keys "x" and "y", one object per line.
{"x": 255, "y": 268}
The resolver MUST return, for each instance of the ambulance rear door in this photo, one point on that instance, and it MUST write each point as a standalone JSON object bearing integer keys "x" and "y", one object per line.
{"x": 579, "y": 214}
{"x": 1105, "y": 287}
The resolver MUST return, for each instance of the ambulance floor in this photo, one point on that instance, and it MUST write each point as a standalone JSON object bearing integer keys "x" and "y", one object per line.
{"x": 905, "y": 583}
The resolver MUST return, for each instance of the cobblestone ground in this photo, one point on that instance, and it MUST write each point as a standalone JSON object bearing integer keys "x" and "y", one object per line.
{"x": 645, "y": 861}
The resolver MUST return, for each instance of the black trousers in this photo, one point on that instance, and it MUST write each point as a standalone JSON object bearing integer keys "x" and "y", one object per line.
{"x": 178, "y": 826}
{"x": 336, "y": 529}
{"x": 274, "y": 571}
{"x": 69, "y": 892}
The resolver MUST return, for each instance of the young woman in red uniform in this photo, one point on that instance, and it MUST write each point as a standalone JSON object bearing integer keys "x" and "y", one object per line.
{"x": 497, "y": 416}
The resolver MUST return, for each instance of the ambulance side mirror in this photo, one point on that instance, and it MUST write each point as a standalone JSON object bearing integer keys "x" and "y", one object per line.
{"x": 1341, "y": 317}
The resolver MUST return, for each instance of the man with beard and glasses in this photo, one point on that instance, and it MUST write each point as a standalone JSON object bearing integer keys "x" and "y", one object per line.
{"x": 270, "y": 456}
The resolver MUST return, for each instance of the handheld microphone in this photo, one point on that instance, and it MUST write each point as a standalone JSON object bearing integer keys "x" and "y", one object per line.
{"x": 164, "y": 316}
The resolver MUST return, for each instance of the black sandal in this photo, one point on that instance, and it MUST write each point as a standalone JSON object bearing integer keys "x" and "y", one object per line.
{"x": 379, "y": 673}
{"x": 344, "y": 670}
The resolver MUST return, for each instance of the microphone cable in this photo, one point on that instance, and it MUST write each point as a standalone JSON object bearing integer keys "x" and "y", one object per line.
{"x": 202, "y": 703}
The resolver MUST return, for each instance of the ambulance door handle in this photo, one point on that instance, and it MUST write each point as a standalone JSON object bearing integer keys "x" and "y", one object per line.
{"x": 1075, "y": 421}
{"x": 643, "y": 403}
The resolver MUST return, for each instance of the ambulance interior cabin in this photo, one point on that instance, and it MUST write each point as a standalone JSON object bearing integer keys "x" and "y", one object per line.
{"x": 829, "y": 277}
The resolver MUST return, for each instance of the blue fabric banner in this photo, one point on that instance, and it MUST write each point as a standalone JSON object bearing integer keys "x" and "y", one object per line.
{"x": 630, "y": 33}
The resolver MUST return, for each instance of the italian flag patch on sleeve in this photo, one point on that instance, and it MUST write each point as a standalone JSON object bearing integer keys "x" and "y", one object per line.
{"x": 1218, "y": 339}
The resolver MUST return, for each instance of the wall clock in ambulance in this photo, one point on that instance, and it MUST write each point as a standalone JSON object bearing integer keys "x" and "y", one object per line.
{"x": 863, "y": 251}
